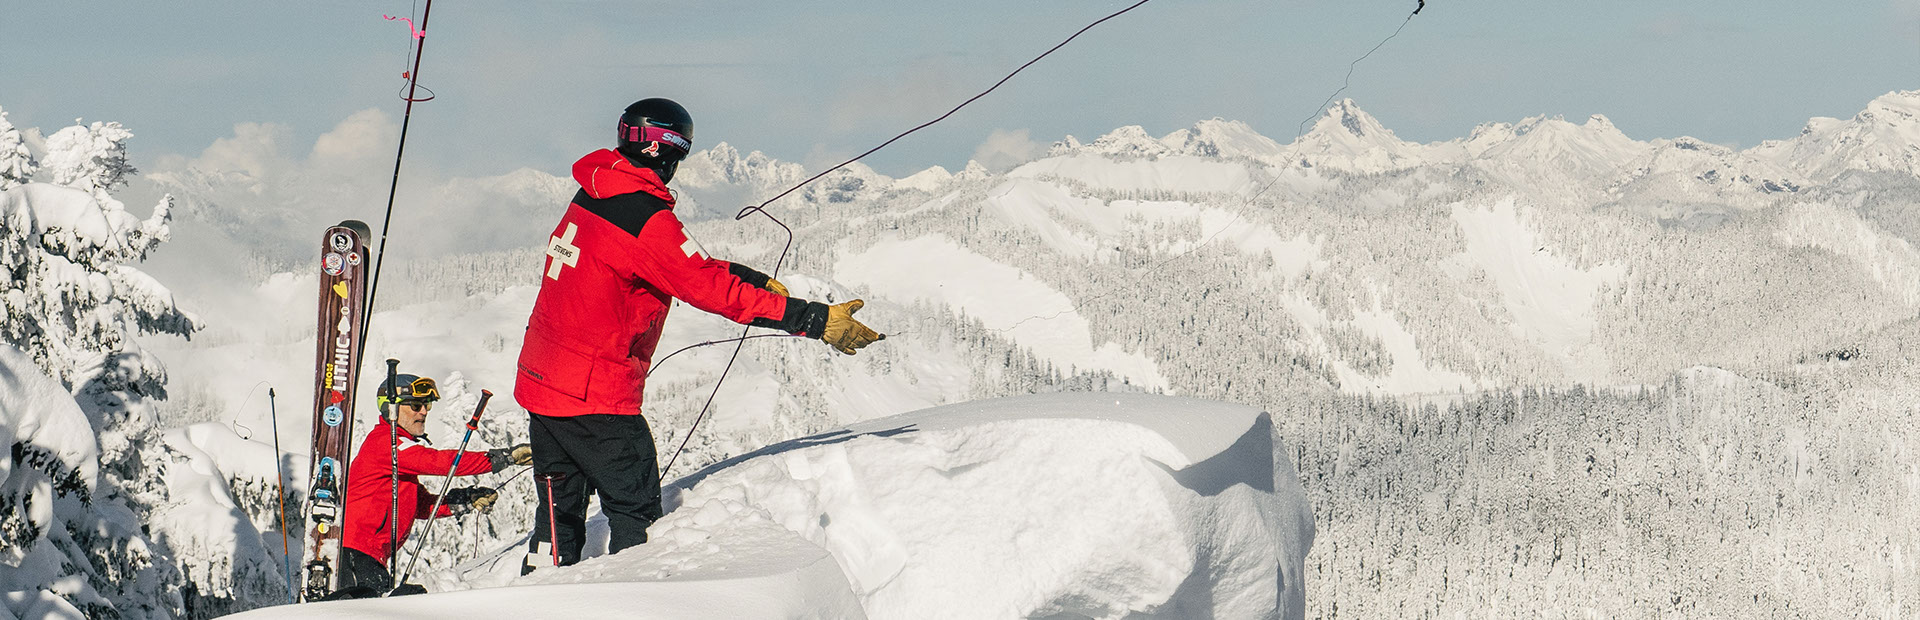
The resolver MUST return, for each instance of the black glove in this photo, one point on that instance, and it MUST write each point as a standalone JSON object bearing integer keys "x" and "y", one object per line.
{"x": 464, "y": 499}
{"x": 502, "y": 458}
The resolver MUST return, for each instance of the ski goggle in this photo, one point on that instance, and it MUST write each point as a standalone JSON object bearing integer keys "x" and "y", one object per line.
{"x": 421, "y": 391}
{"x": 649, "y": 133}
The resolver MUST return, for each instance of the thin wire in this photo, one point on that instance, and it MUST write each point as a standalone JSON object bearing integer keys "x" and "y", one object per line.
{"x": 742, "y": 343}
{"x": 413, "y": 80}
{"x": 1238, "y": 213}
{"x": 1350, "y": 67}
{"x": 761, "y": 209}
{"x": 503, "y": 483}
{"x": 243, "y": 404}
{"x": 429, "y": 97}
{"x": 663, "y": 360}
{"x": 744, "y": 212}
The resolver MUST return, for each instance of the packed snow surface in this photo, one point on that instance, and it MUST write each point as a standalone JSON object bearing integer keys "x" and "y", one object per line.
{"x": 1096, "y": 505}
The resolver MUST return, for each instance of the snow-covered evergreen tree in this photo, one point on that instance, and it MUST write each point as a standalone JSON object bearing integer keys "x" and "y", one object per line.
{"x": 73, "y": 303}
{"x": 16, "y": 162}
{"x": 91, "y": 158}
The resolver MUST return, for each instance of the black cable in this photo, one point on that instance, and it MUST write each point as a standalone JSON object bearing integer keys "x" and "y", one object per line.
{"x": 663, "y": 360}
{"x": 744, "y": 212}
{"x": 742, "y": 340}
{"x": 413, "y": 81}
{"x": 1250, "y": 198}
{"x": 761, "y": 209}
{"x": 1302, "y": 129}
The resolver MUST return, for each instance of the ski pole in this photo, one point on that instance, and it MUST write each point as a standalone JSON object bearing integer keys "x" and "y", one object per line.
{"x": 473, "y": 424}
{"x": 280, "y": 483}
{"x": 392, "y": 411}
{"x": 406, "y": 120}
{"x": 553, "y": 527}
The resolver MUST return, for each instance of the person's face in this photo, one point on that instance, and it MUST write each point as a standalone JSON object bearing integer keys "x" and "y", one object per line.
{"x": 413, "y": 417}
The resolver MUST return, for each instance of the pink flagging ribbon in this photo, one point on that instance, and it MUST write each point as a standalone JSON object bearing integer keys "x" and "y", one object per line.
{"x": 417, "y": 33}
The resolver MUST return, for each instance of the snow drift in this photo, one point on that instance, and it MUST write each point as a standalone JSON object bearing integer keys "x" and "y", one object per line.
{"x": 1061, "y": 505}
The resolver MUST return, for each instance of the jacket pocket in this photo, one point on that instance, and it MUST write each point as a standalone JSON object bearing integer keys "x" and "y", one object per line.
{"x": 551, "y": 363}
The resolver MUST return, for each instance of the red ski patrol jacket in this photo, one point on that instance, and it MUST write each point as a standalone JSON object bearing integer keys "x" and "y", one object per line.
{"x": 370, "y": 488}
{"x": 615, "y": 263}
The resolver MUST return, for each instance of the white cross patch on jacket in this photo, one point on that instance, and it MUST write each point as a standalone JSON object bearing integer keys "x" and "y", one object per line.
{"x": 562, "y": 251}
{"x": 692, "y": 248}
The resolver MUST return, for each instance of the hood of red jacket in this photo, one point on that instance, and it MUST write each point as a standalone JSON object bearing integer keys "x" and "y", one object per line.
{"x": 605, "y": 174}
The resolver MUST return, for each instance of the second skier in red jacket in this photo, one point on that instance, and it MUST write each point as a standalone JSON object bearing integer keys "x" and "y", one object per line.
{"x": 366, "y": 560}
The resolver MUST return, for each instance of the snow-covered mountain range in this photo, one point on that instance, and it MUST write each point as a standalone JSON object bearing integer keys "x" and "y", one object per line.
{"x": 1536, "y": 285}
{"x": 1540, "y": 251}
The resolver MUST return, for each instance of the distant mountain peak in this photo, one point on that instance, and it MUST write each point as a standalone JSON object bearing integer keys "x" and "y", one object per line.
{"x": 1347, "y": 138}
{"x": 1590, "y": 149}
{"x": 1131, "y": 140}
{"x": 1897, "y": 108}
{"x": 1691, "y": 172}
{"x": 1883, "y": 137}
{"x": 722, "y": 163}
{"x": 1066, "y": 145}
{"x": 1346, "y": 117}
{"x": 1218, "y": 137}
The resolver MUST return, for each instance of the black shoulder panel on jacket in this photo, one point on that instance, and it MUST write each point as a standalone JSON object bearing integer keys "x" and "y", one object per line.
{"x": 628, "y": 211}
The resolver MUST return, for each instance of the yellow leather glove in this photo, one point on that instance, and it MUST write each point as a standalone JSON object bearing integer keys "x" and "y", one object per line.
{"x": 843, "y": 332}
{"x": 466, "y": 499}
{"x": 485, "y": 501}
{"x": 502, "y": 458}
{"x": 775, "y": 287}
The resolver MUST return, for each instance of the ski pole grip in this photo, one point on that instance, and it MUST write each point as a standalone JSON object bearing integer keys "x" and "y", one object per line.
{"x": 473, "y": 424}
{"x": 393, "y": 388}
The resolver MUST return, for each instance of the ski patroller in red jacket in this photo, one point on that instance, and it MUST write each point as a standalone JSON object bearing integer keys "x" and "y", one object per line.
{"x": 370, "y": 488}
{"x": 615, "y": 263}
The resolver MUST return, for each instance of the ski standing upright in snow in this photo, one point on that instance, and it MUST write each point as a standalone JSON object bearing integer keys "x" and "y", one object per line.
{"x": 343, "y": 269}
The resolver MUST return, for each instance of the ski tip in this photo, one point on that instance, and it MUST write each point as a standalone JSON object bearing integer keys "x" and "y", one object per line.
{"x": 357, "y": 226}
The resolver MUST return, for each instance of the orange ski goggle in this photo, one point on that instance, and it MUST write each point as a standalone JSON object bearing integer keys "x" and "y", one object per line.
{"x": 420, "y": 391}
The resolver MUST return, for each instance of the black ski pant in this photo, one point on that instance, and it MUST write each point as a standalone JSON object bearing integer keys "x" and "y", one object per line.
{"x": 358, "y": 569}
{"x": 573, "y": 456}
{"x": 361, "y": 576}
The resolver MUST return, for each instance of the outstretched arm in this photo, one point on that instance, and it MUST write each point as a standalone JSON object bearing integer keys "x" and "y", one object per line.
{"x": 418, "y": 458}
{"x": 665, "y": 257}
{"x": 668, "y": 258}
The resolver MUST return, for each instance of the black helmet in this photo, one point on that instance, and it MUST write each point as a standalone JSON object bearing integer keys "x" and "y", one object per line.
{"x": 413, "y": 390}
{"x": 656, "y": 133}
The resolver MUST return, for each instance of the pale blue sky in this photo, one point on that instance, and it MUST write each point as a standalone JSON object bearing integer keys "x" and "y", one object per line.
{"x": 539, "y": 83}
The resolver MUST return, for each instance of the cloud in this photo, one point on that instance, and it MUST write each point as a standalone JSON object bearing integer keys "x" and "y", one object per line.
{"x": 1005, "y": 149}
{"x": 254, "y": 149}
{"x": 269, "y": 198}
{"x": 356, "y": 142}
